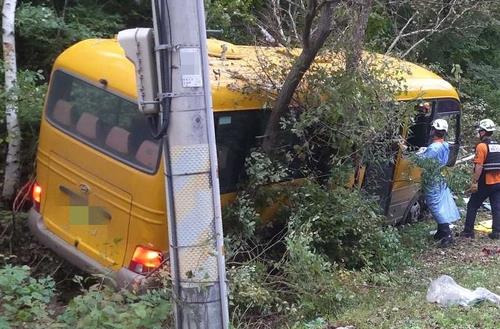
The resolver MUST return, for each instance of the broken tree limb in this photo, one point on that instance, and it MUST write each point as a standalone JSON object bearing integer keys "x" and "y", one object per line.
{"x": 465, "y": 159}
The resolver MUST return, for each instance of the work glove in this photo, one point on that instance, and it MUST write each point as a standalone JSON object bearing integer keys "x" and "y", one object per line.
{"x": 473, "y": 187}
{"x": 421, "y": 150}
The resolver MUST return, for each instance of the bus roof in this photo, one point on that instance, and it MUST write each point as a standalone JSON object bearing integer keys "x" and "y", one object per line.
{"x": 97, "y": 59}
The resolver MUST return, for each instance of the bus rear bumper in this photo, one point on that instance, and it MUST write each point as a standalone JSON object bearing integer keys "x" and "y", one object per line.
{"x": 120, "y": 279}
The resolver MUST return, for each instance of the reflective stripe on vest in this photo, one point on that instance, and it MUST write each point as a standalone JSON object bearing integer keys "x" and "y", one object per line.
{"x": 492, "y": 162}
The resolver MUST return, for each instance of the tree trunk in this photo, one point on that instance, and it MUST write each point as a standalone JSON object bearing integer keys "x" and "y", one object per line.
{"x": 354, "y": 53}
{"x": 12, "y": 162}
{"x": 311, "y": 45}
{"x": 359, "y": 24}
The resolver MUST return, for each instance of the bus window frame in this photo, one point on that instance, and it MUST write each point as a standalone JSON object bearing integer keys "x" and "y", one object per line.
{"x": 143, "y": 169}
{"x": 458, "y": 112}
{"x": 254, "y": 140}
{"x": 436, "y": 114}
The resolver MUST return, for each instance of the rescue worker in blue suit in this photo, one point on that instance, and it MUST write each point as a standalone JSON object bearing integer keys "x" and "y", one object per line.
{"x": 438, "y": 196}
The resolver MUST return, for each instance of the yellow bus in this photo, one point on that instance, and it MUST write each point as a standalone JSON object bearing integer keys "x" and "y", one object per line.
{"x": 99, "y": 199}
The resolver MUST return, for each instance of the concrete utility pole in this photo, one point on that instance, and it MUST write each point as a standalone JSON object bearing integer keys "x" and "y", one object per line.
{"x": 190, "y": 158}
{"x": 193, "y": 199}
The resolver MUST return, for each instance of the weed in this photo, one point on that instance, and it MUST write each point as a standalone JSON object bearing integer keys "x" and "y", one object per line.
{"x": 26, "y": 302}
{"x": 24, "y": 299}
{"x": 347, "y": 227}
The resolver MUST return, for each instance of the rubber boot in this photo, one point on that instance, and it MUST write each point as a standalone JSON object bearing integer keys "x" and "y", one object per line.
{"x": 494, "y": 235}
{"x": 447, "y": 240}
{"x": 441, "y": 232}
{"x": 467, "y": 234}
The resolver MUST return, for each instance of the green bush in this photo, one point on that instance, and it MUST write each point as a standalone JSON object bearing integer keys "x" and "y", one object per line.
{"x": 318, "y": 323}
{"x": 108, "y": 309}
{"x": 30, "y": 94}
{"x": 236, "y": 18}
{"x": 459, "y": 179}
{"x": 311, "y": 279}
{"x": 26, "y": 302}
{"x": 241, "y": 218}
{"x": 249, "y": 290}
{"x": 296, "y": 287}
{"x": 348, "y": 227}
{"x": 43, "y": 32}
{"x": 23, "y": 299}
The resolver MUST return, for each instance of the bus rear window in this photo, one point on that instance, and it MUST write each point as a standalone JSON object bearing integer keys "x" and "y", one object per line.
{"x": 103, "y": 120}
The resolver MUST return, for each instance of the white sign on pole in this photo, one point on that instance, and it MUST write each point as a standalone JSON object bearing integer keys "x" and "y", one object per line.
{"x": 191, "y": 68}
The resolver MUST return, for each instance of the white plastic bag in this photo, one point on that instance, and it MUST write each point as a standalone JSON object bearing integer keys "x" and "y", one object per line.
{"x": 445, "y": 291}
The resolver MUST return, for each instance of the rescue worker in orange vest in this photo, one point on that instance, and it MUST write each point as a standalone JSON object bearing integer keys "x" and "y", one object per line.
{"x": 485, "y": 180}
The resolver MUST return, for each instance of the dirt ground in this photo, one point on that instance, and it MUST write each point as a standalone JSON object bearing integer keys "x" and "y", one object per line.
{"x": 398, "y": 300}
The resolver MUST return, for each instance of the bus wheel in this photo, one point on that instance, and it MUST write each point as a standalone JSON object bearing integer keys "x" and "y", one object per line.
{"x": 415, "y": 212}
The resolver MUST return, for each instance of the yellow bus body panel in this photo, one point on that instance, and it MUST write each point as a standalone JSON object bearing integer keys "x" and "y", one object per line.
{"x": 97, "y": 59}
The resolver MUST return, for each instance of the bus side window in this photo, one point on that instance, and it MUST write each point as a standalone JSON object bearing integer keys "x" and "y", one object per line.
{"x": 453, "y": 127}
{"x": 449, "y": 109}
{"x": 235, "y": 136}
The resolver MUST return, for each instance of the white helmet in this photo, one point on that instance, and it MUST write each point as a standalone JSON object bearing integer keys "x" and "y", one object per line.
{"x": 487, "y": 125}
{"x": 440, "y": 124}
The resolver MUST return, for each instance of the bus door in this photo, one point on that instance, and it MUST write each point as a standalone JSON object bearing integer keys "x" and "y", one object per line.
{"x": 404, "y": 204}
{"x": 449, "y": 109}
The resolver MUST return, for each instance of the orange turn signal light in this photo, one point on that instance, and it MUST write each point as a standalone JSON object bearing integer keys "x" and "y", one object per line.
{"x": 36, "y": 195}
{"x": 145, "y": 260}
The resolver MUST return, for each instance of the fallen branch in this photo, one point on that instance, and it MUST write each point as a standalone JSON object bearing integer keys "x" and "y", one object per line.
{"x": 467, "y": 158}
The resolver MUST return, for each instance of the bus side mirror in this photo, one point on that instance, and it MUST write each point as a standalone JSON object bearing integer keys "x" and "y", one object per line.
{"x": 139, "y": 48}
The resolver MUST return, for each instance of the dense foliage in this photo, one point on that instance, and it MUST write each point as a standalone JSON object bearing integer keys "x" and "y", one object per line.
{"x": 287, "y": 271}
{"x": 27, "y": 302}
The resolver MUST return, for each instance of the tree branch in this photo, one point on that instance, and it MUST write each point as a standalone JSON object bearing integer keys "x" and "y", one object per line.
{"x": 400, "y": 35}
{"x": 447, "y": 16}
{"x": 300, "y": 66}
{"x": 308, "y": 21}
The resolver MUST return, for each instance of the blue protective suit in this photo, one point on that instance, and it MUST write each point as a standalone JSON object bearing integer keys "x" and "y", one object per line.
{"x": 438, "y": 196}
